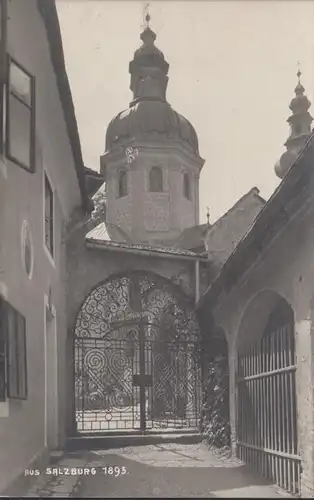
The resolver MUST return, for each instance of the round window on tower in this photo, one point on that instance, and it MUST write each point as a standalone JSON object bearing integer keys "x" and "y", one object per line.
{"x": 27, "y": 249}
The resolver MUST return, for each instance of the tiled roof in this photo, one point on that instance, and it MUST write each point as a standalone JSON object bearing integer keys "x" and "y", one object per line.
{"x": 92, "y": 172}
{"x": 296, "y": 180}
{"x": 224, "y": 235}
{"x": 94, "y": 180}
{"x": 192, "y": 238}
{"x": 106, "y": 232}
{"x": 109, "y": 235}
{"x": 49, "y": 14}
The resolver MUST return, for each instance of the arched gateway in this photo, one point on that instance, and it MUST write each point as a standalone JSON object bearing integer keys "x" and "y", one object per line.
{"x": 137, "y": 345}
{"x": 267, "y": 430}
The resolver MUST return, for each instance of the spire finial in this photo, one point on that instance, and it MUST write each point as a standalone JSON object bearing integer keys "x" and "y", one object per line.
{"x": 146, "y": 16}
{"x": 299, "y": 71}
{"x": 300, "y": 128}
{"x": 208, "y": 215}
{"x": 148, "y": 36}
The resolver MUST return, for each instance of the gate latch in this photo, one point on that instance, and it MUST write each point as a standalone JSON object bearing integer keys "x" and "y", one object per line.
{"x": 145, "y": 380}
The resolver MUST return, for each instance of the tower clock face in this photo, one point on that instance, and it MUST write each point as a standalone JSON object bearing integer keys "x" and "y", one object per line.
{"x": 131, "y": 154}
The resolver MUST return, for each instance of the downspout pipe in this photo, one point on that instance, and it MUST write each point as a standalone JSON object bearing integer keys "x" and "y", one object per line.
{"x": 197, "y": 281}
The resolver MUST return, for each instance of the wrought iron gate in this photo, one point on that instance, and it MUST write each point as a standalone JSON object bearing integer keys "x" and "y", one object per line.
{"x": 266, "y": 419}
{"x": 136, "y": 358}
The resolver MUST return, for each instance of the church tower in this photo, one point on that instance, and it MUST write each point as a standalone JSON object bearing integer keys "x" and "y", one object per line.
{"x": 300, "y": 129}
{"x": 151, "y": 163}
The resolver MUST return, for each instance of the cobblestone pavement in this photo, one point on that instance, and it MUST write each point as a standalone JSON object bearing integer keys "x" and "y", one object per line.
{"x": 167, "y": 470}
{"x": 62, "y": 480}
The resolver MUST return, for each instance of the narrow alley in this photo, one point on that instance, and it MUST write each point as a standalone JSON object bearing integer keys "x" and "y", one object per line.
{"x": 156, "y": 250}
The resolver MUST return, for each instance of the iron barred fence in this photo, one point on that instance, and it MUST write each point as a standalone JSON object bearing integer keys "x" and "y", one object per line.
{"x": 267, "y": 437}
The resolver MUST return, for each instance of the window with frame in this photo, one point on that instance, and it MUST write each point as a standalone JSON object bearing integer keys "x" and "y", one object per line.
{"x": 3, "y": 68}
{"x": 49, "y": 218}
{"x": 20, "y": 116}
{"x": 186, "y": 186}
{"x": 13, "y": 361}
{"x": 2, "y": 353}
{"x": 155, "y": 180}
{"x": 122, "y": 183}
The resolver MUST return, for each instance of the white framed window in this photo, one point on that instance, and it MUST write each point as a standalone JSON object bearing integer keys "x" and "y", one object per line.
{"x": 51, "y": 373}
{"x": 13, "y": 356}
{"x": 49, "y": 217}
{"x": 3, "y": 70}
{"x": 27, "y": 249}
{"x": 20, "y": 116}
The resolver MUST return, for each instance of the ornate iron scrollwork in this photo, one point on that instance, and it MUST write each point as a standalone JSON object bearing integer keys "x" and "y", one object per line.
{"x": 136, "y": 327}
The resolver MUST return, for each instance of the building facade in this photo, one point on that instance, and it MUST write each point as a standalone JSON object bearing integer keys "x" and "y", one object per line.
{"x": 42, "y": 188}
{"x": 262, "y": 303}
{"x": 147, "y": 254}
{"x": 72, "y": 287}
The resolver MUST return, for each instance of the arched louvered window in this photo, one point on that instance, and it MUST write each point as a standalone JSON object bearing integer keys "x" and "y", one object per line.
{"x": 297, "y": 128}
{"x": 155, "y": 180}
{"x": 123, "y": 183}
{"x": 186, "y": 186}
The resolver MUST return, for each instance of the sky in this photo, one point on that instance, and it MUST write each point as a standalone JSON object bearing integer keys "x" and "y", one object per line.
{"x": 232, "y": 74}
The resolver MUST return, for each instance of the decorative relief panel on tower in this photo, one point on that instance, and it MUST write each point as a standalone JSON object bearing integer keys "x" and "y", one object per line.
{"x": 187, "y": 216}
{"x": 156, "y": 214}
{"x": 122, "y": 215}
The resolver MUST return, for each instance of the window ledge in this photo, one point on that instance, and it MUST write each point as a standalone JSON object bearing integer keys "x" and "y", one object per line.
{"x": 3, "y": 290}
{"x": 4, "y": 409}
{"x": 50, "y": 258}
{"x": 3, "y": 167}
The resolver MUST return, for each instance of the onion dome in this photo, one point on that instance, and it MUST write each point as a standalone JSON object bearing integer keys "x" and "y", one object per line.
{"x": 152, "y": 121}
{"x": 300, "y": 129}
{"x": 148, "y": 54}
{"x": 285, "y": 162}
{"x": 149, "y": 116}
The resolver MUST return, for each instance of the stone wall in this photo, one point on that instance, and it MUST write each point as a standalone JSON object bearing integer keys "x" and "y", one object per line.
{"x": 86, "y": 268}
{"x": 285, "y": 269}
{"x": 23, "y": 431}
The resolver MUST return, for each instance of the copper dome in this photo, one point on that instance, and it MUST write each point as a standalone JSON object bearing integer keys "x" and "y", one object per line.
{"x": 153, "y": 120}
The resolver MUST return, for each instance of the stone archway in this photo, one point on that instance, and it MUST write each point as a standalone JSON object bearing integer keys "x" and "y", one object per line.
{"x": 136, "y": 344}
{"x": 266, "y": 402}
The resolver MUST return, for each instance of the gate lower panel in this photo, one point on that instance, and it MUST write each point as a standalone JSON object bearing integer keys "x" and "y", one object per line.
{"x": 105, "y": 397}
{"x": 108, "y": 378}
{"x": 266, "y": 406}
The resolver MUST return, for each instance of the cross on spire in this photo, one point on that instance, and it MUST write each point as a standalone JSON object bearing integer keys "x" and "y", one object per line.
{"x": 207, "y": 215}
{"x": 146, "y": 16}
{"x": 299, "y": 71}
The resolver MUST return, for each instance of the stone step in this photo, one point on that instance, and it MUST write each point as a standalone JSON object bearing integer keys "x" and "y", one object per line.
{"x": 101, "y": 442}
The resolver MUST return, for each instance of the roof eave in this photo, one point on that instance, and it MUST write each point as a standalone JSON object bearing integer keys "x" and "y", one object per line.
{"x": 101, "y": 245}
{"x": 48, "y": 11}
